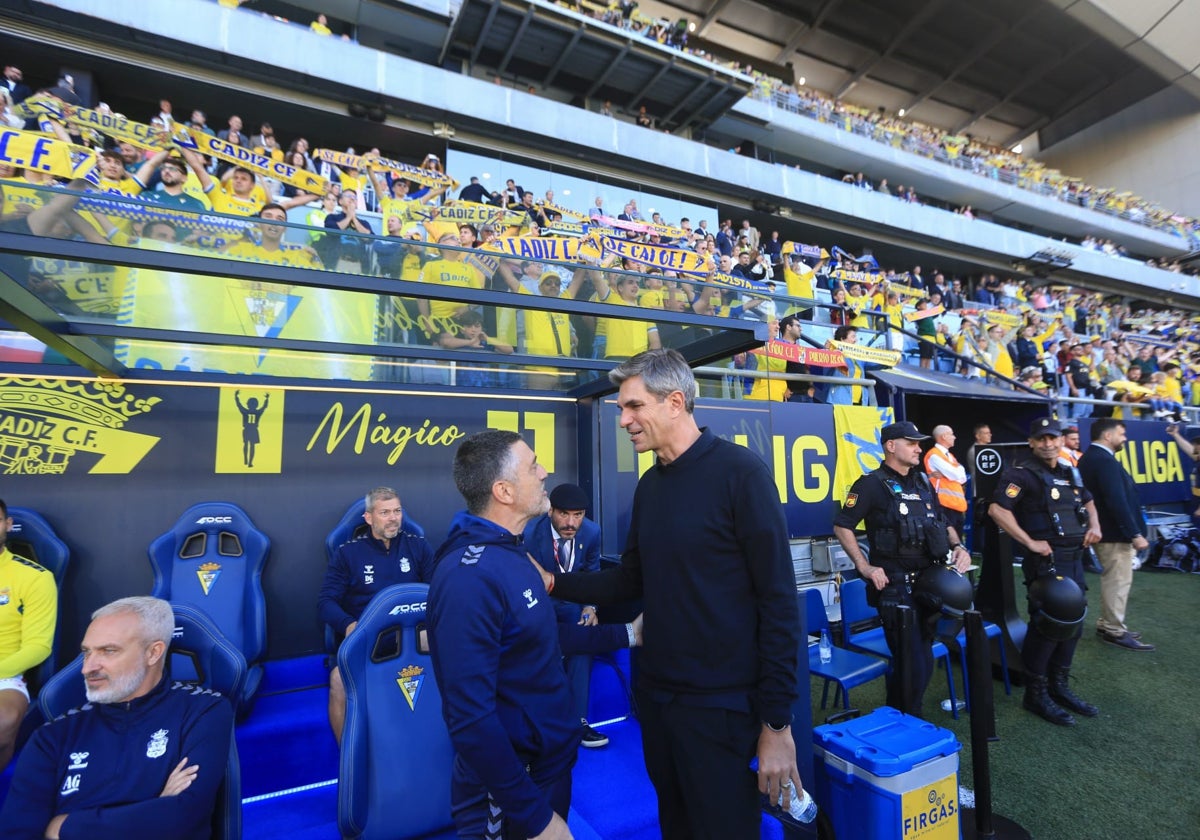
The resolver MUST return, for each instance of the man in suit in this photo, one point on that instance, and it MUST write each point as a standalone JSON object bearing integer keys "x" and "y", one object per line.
{"x": 1122, "y": 530}
{"x": 14, "y": 81}
{"x": 564, "y": 539}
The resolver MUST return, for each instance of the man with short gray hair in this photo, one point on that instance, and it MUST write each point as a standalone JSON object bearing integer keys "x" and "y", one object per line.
{"x": 948, "y": 477}
{"x": 708, "y": 551}
{"x": 143, "y": 751}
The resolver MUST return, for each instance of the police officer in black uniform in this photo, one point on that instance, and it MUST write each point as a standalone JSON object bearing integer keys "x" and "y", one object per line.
{"x": 1043, "y": 505}
{"x": 907, "y": 533}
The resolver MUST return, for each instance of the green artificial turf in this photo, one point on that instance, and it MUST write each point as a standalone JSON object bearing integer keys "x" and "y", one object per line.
{"x": 1129, "y": 774}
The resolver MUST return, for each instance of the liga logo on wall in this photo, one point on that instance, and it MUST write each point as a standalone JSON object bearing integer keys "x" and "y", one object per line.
{"x": 45, "y": 424}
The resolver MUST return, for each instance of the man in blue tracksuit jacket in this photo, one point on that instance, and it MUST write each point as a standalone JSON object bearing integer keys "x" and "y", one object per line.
{"x": 494, "y": 640}
{"x": 144, "y": 758}
{"x": 360, "y": 569}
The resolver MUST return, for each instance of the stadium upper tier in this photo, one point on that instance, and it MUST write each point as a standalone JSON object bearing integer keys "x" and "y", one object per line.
{"x": 270, "y": 55}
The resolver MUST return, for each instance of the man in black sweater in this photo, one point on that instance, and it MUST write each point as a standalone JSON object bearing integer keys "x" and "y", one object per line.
{"x": 708, "y": 553}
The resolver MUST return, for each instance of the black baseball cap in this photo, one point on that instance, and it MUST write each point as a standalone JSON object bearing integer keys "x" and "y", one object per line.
{"x": 1045, "y": 426}
{"x": 903, "y": 429}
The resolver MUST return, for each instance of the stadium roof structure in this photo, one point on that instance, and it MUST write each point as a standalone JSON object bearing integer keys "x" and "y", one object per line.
{"x": 998, "y": 69}
{"x": 592, "y": 61}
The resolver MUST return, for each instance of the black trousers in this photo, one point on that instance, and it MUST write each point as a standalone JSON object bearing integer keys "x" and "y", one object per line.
{"x": 910, "y": 697}
{"x": 1038, "y": 653}
{"x": 699, "y": 761}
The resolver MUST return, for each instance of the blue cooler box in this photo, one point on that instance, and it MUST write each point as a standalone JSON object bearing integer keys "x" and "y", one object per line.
{"x": 888, "y": 776}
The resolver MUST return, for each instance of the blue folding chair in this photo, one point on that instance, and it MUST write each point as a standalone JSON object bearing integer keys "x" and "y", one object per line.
{"x": 846, "y": 668}
{"x": 856, "y": 610}
{"x": 394, "y": 775}
{"x": 199, "y": 646}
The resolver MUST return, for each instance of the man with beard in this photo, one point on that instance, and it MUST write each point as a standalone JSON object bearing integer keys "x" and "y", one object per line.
{"x": 143, "y": 752}
{"x": 361, "y": 569}
{"x": 567, "y": 540}
{"x": 28, "y": 612}
{"x": 172, "y": 178}
{"x": 1122, "y": 530}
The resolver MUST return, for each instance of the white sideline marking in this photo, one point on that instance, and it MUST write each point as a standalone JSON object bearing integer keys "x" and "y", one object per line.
{"x": 278, "y": 793}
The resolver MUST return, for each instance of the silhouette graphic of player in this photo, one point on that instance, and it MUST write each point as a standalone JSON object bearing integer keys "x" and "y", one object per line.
{"x": 251, "y": 417}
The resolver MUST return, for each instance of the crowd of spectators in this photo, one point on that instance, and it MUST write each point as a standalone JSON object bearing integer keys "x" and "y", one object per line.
{"x": 969, "y": 153}
{"x": 1003, "y": 328}
{"x": 960, "y": 150}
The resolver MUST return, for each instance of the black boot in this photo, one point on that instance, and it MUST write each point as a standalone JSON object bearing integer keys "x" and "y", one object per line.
{"x": 1039, "y": 702}
{"x": 1060, "y": 691}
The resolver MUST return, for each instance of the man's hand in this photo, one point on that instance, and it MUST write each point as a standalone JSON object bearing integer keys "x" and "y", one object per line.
{"x": 1042, "y": 548}
{"x": 637, "y": 629}
{"x": 962, "y": 559}
{"x": 587, "y": 617}
{"x": 350, "y": 627}
{"x": 547, "y": 578}
{"x": 181, "y": 778}
{"x": 777, "y": 763}
{"x": 1140, "y": 543}
{"x": 55, "y": 826}
{"x": 557, "y": 830}
{"x": 877, "y": 576}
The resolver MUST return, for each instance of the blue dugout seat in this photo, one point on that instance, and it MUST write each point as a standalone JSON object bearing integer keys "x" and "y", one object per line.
{"x": 33, "y": 538}
{"x": 394, "y": 775}
{"x": 213, "y": 559}
{"x": 201, "y": 649}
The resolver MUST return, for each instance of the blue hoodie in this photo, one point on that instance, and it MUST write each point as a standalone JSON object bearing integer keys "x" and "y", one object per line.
{"x": 496, "y": 656}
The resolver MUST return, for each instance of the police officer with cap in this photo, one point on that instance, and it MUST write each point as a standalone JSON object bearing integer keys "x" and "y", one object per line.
{"x": 1043, "y": 505}
{"x": 907, "y": 533}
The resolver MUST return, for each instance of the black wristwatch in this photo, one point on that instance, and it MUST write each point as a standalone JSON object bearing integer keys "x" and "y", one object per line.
{"x": 777, "y": 726}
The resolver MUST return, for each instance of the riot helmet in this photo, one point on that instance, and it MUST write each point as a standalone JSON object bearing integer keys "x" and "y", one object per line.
{"x": 1057, "y": 607}
{"x": 943, "y": 589}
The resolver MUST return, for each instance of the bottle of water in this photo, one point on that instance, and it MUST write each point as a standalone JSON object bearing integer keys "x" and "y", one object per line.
{"x": 802, "y": 807}
{"x": 825, "y": 648}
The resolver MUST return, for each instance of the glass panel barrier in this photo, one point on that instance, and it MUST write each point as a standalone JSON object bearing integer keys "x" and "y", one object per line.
{"x": 217, "y": 293}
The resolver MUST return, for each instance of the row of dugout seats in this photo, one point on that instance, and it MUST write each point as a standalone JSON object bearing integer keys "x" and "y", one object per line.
{"x": 212, "y": 558}
{"x": 209, "y": 566}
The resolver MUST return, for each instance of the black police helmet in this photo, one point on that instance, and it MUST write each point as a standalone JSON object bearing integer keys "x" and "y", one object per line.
{"x": 942, "y": 589}
{"x": 1057, "y": 607}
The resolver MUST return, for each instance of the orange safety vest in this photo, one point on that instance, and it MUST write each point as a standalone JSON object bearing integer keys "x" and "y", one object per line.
{"x": 950, "y": 494}
{"x": 1068, "y": 457}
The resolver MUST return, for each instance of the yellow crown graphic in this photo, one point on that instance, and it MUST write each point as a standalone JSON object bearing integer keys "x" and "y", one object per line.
{"x": 209, "y": 567}
{"x": 410, "y": 671}
{"x": 105, "y": 404}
